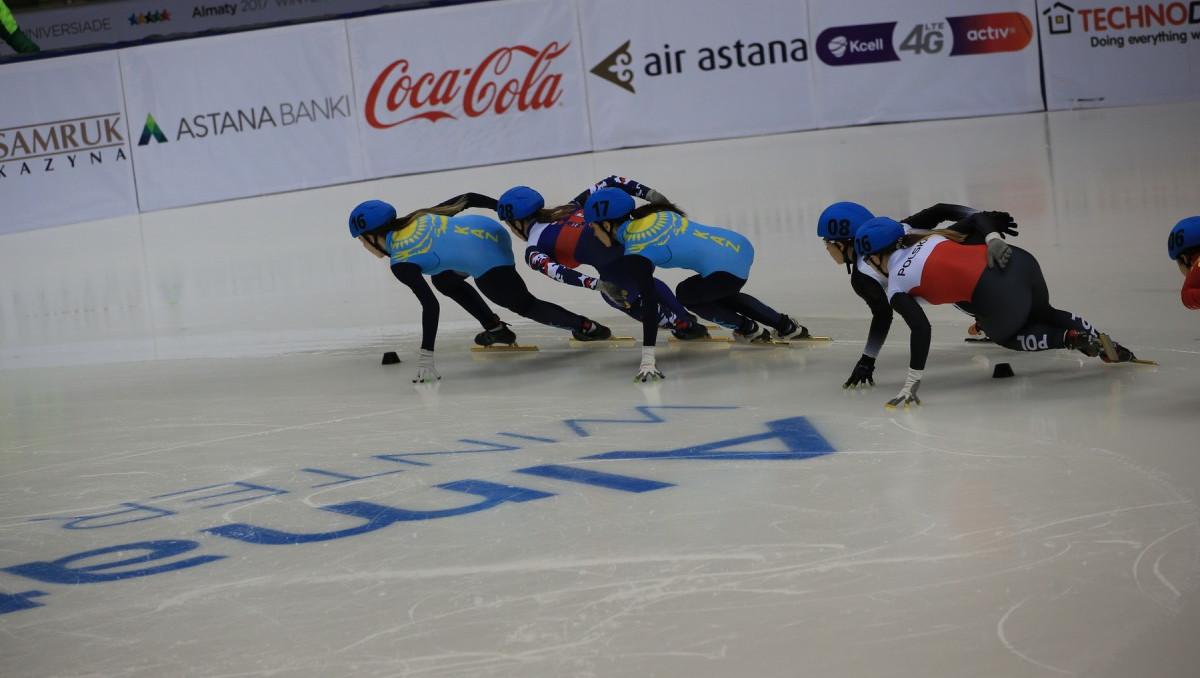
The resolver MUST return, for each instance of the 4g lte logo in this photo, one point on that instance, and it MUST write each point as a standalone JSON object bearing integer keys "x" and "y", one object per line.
{"x": 975, "y": 34}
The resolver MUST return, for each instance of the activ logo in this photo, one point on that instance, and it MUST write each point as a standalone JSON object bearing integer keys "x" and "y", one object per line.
{"x": 990, "y": 33}
{"x": 519, "y": 77}
{"x": 973, "y": 34}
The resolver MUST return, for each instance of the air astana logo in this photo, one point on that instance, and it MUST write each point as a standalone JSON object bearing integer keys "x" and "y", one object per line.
{"x": 616, "y": 68}
{"x": 519, "y": 77}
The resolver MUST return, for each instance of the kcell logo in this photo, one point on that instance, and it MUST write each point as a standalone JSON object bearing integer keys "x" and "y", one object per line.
{"x": 990, "y": 33}
{"x": 509, "y": 77}
{"x": 849, "y": 45}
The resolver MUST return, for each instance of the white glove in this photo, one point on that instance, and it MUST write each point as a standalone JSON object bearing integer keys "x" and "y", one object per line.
{"x": 654, "y": 196}
{"x": 908, "y": 394}
{"x": 998, "y": 251}
{"x": 425, "y": 370}
{"x": 648, "y": 371}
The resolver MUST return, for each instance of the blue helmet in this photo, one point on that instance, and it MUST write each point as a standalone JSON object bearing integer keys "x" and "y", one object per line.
{"x": 369, "y": 216}
{"x": 877, "y": 235}
{"x": 1185, "y": 236}
{"x": 841, "y": 220}
{"x": 608, "y": 204}
{"x": 519, "y": 202}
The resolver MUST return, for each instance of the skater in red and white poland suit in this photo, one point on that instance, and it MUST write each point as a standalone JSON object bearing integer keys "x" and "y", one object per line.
{"x": 1011, "y": 302}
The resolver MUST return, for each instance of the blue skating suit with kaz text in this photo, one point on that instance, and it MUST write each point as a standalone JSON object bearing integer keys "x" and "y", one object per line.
{"x": 669, "y": 240}
{"x": 471, "y": 244}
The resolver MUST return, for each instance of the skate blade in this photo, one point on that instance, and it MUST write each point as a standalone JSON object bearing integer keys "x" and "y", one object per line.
{"x": 1139, "y": 361}
{"x": 978, "y": 340}
{"x": 502, "y": 348}
{"x": 611, "y": 342}
{"x": 799, "y": 340}
{"x": 703, "y": 340}
{"x": 1109, "y": 349}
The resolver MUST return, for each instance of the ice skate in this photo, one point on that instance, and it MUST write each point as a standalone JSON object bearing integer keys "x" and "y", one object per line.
{"x": 592, "y": 331}
{"x": 756, "y": 335}
{"x": 497, "y": 335}
{"x": 1084, "y": 342}
{"x": 692, "y": 332}
{"x": 1116, "y": 353}
{"x": 790, "y": 330}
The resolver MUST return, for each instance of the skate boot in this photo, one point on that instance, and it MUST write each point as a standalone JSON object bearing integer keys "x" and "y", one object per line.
{"x": 500, "y": 334}
{"x": 976, "y": 333}
{"x": 755, "y": 335}
{"x": 592, "y": 331}
{"x": 693, "y": 331}
{"x": 1114, "y": 352}
{"x": 1084, "y": 342}
{"x": 790, "y": 329}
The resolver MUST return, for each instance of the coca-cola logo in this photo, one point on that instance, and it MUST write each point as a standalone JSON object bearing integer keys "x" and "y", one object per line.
{"x": 510, "y": 77}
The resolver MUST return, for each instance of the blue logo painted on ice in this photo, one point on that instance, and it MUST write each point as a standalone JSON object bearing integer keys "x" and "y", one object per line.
{"x": 782, "y": 439}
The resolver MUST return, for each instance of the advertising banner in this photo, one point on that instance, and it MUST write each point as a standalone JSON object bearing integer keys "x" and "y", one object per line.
{"x": 926, "y": 59}
{"x": 64, "y": 143}
{"x": 108, "y": 23}
{"x": 469, "y": 85}
{"x": 1116, "y": 53}
{"x": 241, "y": 115}
{"x": 665, "y": 71}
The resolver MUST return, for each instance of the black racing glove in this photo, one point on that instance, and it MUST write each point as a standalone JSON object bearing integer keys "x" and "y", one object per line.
{"x": 1000, "y": 222}
{"x": 864, "y": 373}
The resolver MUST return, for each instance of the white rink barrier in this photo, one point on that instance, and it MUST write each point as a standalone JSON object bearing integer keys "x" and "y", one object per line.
{"x": 1112, "y": 53}
{"x": 189, "y": 122}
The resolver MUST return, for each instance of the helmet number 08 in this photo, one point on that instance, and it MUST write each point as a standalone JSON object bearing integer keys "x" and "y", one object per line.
{"x": 506, "y": 213}
{"x": 839, "y": 226}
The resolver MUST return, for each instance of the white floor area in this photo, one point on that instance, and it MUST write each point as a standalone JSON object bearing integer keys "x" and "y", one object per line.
{"x": 312, "y": 513}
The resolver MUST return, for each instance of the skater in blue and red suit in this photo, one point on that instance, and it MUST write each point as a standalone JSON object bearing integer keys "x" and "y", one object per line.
{"x": 660, "y": 234}
{"x": 1183, "y": 246}
{"x": 560, "y": 241}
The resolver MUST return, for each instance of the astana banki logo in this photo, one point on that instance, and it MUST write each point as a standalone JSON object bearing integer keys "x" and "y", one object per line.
{"x": 152, "y": 130}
